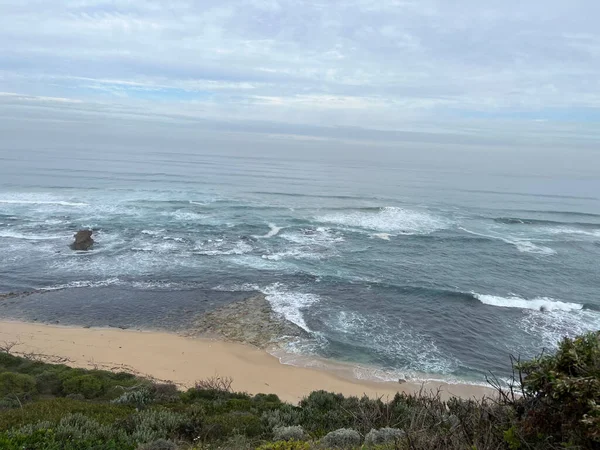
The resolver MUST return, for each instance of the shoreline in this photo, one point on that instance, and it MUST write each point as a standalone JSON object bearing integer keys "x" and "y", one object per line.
{"x": 184, "y": 360}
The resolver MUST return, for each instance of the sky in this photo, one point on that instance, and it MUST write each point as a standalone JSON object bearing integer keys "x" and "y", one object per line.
{"x": 344, "y": 69}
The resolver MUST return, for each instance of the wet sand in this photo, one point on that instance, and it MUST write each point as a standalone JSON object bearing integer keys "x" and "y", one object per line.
{"x": 184, "y": 360}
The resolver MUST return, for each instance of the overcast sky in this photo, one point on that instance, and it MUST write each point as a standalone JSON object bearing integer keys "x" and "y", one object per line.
{"x": 510, "y": 66}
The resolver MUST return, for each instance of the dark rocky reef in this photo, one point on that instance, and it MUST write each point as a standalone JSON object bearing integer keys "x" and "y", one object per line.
{"x": 251, "y": 321}
{"x": 83, "y": 240}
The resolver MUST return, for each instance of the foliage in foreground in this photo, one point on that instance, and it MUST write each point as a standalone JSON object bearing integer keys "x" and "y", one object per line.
{"x": 52, "y": 407}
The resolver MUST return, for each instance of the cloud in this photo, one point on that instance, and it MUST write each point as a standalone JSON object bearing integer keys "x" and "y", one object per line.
{"x": 378, "y": 64}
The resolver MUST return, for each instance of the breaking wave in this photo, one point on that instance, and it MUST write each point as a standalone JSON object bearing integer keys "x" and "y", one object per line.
{"x": 536, "y": 304}
{"x": 389, "y": 219}
{"x": 523, "y": 245}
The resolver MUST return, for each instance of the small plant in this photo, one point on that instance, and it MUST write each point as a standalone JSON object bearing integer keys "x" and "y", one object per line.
{"x": 215, "y": 383}
{"x": 137, "y": 398}
{"x": 285, "y": 445}
{"x": 384, "y": 436}
{"x": 293, "y": 433}
{"x": 342, "y": 438}
{"x": 159, "y": 444}
{"x": 285, "y": 416}
{"x": 87, "y": 385}
{"x": 16, "y": 384}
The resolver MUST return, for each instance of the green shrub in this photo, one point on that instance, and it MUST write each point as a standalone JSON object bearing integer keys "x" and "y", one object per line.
{"x": 87, "y": 385}
{"x": 384, "y": 436}
{"x": 159, "y": 444}
{"x": 48, "y": 382}
{"x": 138, "y": 398}
{"x": 342, "y": 438}
{"x": 294, "y": 433}
{"x": 53, "y": 410}
{"x": 562, "y": 394}
{"x": 230, "y": 424}
{"x": 285, "y": 445}
{"x": 16, "y": 383}
{"x": 151, "y": 425}
{"x": 285, "y": 416}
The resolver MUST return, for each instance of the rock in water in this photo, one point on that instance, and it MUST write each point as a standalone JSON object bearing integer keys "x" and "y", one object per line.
{"x": 251, "y": 321}
{"x": 83, "y": 240}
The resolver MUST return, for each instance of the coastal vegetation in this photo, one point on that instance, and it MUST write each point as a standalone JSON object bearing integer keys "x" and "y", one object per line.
{"x": 553, "y": 403}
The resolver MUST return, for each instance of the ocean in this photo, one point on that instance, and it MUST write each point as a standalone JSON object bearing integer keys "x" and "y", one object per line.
{"x": 403, "y": 262}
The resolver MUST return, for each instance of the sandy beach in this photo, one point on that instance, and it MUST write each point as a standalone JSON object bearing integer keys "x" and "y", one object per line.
{"x": 184, "y": 360}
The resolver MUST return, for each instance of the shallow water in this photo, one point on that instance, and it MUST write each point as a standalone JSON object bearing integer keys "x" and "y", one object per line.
{"x": 419, "y": 266}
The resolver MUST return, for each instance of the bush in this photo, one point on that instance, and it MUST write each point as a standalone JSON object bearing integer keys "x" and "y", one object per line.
{"x": 164, "y": 392}
{"x": 384, "y": 436}
{"x": 561, "y": 394}
{"x": 137, "y": 398}
{"x": 48, "y": 382}
{"x": 342, "y": 438}
{"x": 285, "y": 416}
{"x": 151, "y": 425}
{"x": 159, "y": 444}
{"x": 285, "y": 445}
{"x": 53, "y": 410}
{"x": 16, "y": 383}
{"x": 87, "y": 385}
{"x": 294, "y": 433}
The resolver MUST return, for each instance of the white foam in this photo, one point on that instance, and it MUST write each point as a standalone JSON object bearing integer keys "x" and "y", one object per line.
{"x": 575, "y": 231}
{"x": 320, "y": 236}
{"x": 220, "y": 247}
{"x": 152, "y": 232}
{"x": 115, "y": 281}
{"x": 41, "y": 202}
{"x": 523, "y": 245}
{"x": 290, "y": 304}
{"x": 273, "y": 231}
{"x": 390, "y": 219}
{"x": 536, "y": 304}
{"x": 384, "y": 236}
{"x": 548, "y": 329}
{"x": 395, "y": 339}
{"x": 529, "y": 247}
{"x": 295, "y": 253}
{"x": 29, "y": 237}
{"x": 186, "y": 216}
{"x": 83, "y": 284}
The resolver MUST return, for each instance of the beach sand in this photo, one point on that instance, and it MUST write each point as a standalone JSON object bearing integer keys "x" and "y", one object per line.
{"x": 184, "y": 360}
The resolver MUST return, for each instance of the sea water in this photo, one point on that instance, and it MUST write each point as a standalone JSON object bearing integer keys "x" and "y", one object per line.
{"x": 406, "y": 262}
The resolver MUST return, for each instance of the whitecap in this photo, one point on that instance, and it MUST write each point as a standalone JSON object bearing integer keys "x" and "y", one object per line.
{"x": 296, "y": 253}
{"x": 273, "y": 231}
{"x": 30, "y": 237}
{"x": 384, "y": 236}
{"x": 290, "y": 304}
{"x": 574, "y": 231}
{"x": 523, "y": 245}
{"x": 284, "y": 302}
{"x": 222, "y": 248}
{"x": 42, "y": 202}
{"x": 186, "y": 216}
{"x": 321, "y": 236}
{"x": 390, "y": 219}
{"x": 83, "y": 284}
{"x": 393, "y": 338}
{"x": 529, "y": 247}
{"x": 536, "y": 304}
{"x": 548, "y": 329}
{"x": 152, "y": 232}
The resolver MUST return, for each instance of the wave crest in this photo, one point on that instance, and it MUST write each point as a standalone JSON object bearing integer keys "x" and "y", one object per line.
{"x": 389, "y": 219}
{"x": 536, "y": 304}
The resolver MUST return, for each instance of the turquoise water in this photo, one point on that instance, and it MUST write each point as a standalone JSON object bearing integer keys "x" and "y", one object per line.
{"x": 418, "y": 264}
